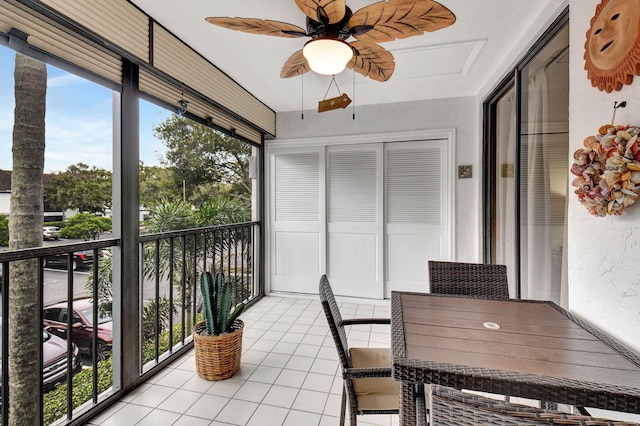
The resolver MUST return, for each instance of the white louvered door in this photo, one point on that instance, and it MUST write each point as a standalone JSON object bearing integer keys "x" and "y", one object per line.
{"x": 354, "y": 220}
{"x": 369, "y": 215}
{"x": 416, "y": 212}
{"x": 297, "y": 242}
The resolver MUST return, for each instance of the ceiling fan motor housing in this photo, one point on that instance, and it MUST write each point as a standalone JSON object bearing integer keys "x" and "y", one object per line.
{"x": 339, "y": 30}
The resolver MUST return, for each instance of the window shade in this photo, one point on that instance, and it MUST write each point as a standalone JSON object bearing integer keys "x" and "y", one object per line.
{"x": 52, "y": 38}
{"x": 117, "y": 21}
{"x": 173, "y": 57}
{"x": 152, "y": 85}
{"x": 95, "y": 35}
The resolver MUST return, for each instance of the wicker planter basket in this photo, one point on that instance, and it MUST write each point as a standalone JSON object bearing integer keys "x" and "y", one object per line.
{"x": 217, "y": 357}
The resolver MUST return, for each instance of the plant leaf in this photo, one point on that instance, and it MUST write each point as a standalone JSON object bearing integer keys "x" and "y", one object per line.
{"x": 235, "y": 314}
{"x": 208, "y": 298}
{"x": 224, "y": 306}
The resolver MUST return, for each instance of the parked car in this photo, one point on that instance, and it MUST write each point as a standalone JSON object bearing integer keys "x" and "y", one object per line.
{"x": 81, "y": 259}
{"x": 54, "y": 359}
{"x": 50, "y": 232}
{"x": 55, "y": 319}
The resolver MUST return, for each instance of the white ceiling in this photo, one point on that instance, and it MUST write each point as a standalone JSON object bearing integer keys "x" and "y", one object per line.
{"x": 455, "y": 61}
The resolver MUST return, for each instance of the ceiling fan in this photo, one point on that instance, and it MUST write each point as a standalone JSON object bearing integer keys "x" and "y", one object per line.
{"x": 330, "y": 23}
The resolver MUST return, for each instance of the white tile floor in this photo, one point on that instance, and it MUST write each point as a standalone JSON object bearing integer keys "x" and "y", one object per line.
{"x": 289, "y": 373}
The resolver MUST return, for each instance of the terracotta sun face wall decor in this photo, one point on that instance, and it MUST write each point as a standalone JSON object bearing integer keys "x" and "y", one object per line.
{"x": 612, "y": 49}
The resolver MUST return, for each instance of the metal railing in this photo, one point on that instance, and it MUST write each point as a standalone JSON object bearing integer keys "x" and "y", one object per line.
{"x": 170, "y": 265}
{"x": 56, "y": 402}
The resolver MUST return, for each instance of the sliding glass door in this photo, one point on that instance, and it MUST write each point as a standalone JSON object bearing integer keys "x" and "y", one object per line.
{"x": 526, "y": 156}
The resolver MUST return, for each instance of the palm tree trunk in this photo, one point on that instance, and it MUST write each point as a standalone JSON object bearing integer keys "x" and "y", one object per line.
{"x": 25, "y": 231}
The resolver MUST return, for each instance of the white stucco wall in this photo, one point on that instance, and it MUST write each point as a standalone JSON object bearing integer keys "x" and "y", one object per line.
{"x": 463, "y": 114}
{"x": 604, "y": 252}
{"x": 5, "y": 198}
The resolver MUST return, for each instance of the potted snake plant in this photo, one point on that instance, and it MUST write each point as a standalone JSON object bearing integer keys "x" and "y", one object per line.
{"x": 218, "y": 339}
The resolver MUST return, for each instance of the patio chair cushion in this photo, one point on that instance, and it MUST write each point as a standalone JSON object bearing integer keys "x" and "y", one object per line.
{"x": 380, "y": 393}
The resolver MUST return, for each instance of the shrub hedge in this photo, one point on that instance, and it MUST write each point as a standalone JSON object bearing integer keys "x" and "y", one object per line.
{"x": 55, "y": 401}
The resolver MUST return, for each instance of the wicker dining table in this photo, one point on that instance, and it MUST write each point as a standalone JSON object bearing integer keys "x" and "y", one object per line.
{"x": 531, "y": 349}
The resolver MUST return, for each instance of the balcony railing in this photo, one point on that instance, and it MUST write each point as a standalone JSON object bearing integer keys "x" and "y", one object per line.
{"x": 170, "y": 265}
{"x": 64, "y": 287}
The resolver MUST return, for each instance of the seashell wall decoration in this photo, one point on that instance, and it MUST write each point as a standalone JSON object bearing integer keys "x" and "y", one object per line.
{"x": 607, "y": 170}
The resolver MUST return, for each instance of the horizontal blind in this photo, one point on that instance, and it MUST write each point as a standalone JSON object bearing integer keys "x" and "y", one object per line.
{"x": 117, "y": 21}
{"x": 413, "y": 185}
{"x": 544, "y": 180}
{"x": 173, "y": 57}
{"x": 297, "y": 187}
{"x": 52, "y": 38}
{"x": 152, "y": 85}
{"x": 94, "y": 35}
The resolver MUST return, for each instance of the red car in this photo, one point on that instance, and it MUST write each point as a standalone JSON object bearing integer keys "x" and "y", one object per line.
{"x": 54, "y": 360}
{"x": 55, "y": 321}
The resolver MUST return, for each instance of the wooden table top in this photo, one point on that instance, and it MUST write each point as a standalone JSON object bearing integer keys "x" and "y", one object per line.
{"x": 522, "y": 348}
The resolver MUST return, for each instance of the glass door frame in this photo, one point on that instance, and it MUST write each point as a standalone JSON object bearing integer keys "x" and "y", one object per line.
{"x": 489, "y": 138}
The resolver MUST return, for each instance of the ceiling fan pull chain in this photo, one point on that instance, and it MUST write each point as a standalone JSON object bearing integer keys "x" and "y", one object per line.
{"x": 302, "y": 101}
{"x": 353, "y": 116}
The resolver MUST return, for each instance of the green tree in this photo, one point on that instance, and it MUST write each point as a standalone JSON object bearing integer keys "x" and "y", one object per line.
{"x": 157, "y": 183}
{"x": 4, "y": 231}
{"x": 85, "y": 226}
{"x": 105, "y": 300}
{"x": 80, "y": 187}
{"x": 176, "y": 215}
{"x": 221, "y": 211}
{"x": 25, "y": 231}
{"x": 169, "y": 216}
{"x": 201, "y": 156}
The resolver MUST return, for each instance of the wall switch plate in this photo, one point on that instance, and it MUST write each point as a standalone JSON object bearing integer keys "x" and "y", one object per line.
{"x": 465, "y": 171}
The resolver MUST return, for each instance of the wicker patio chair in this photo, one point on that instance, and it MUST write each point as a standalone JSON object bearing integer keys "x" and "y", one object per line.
{"x": 366, "y": 371}
{"x": 481, "y": 280}
{"x": 451, "y": 407}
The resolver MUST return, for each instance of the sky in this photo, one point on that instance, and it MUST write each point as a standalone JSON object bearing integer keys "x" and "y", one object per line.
{"x": 79, "y": 117}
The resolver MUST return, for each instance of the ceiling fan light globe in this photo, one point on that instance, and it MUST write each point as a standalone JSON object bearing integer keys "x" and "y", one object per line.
{"x": 327, "y": 56}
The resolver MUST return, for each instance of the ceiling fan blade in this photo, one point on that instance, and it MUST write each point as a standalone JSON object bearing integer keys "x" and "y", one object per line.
{"x": 372, "y": 61}
{"x": 380, "y": 22}
{"x": 259, "y": 26}
{"x": 325, "y": 11}
{"x": 294, "y": 66}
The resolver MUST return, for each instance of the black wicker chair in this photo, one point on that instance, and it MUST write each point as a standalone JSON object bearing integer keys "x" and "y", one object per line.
{"x": 451, "y": 407}
{"x": 481, "y": 280}
{"x": 366, "y": 371}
